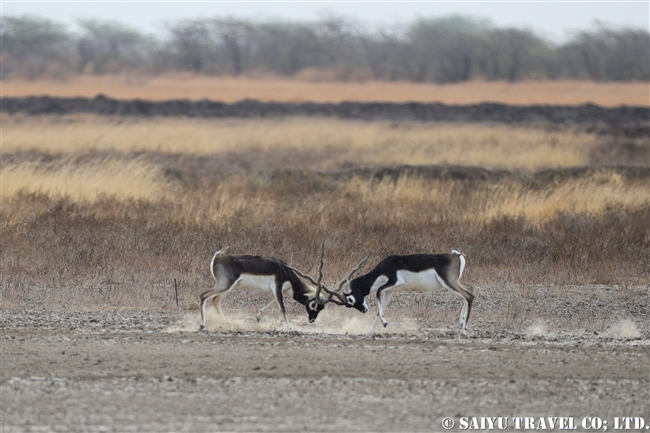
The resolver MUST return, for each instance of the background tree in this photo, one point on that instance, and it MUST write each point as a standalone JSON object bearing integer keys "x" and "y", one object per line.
{"x": 604, "y": 54}
{"x": 442, "y": 50}
{"x": 33, "y": 47}
{"x": 191, "y": 47}
{"x": 110, "y": 47}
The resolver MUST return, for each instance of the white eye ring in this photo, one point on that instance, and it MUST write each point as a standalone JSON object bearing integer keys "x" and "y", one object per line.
{"x": 351, "y": 299}
{"x": 312, "y": 305}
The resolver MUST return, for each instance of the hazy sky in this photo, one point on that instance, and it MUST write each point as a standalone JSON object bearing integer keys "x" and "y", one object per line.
{"x": 554, "y": 20}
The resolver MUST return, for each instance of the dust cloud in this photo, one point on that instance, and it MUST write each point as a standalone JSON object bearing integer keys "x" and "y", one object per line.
{"x": 334, "y": 322}
{"x": 624, "y": 328}
{"x": 537, "y": 329}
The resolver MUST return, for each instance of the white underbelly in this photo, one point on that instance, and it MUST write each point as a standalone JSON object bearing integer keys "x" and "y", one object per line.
{"x": 262, "y": 282}
{"x": 258, "y": 282}
{"x": 425, "y": 281}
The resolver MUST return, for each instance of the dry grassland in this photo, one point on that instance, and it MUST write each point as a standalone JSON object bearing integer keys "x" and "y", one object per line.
{"x": 108, "y": 224}
{"x": 324, "y": 144}
{"x": 384, "y": 202}
{"x": 228, "y": 89}
{"x": 111, "y": 208}
{"x": 87, "y": 183}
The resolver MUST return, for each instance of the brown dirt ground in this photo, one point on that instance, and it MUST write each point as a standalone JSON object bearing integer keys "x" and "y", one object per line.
{"x": 129, "y": 370}
{"x": 228, "y": 89}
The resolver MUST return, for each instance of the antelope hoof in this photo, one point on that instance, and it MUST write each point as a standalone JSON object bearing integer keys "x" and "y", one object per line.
{"x": 384, "y": 323}
{"x": 201, "y": 328}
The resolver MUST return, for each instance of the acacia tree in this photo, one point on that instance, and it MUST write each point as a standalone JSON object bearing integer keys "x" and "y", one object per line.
{"x": 235, "y": 36}
{"x": 192, "y": 47}
{"x": 109, "y": 47}
{"x": 445, "y": 50}
{"x": 284, "y": 48}
{"x": 606, "y": 54}
{"x": 512, "y": 54}
{"x": 442, "y": 50}
{"x": 33, "y": 47}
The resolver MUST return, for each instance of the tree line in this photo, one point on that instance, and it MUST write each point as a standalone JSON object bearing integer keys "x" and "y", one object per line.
{"x": 441, "y": 50}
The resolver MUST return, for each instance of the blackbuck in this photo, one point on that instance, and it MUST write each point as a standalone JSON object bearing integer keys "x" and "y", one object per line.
{"x": 320, "y": 286}
{"x": 418, "y": 272}
{"x": 265, "y": 273}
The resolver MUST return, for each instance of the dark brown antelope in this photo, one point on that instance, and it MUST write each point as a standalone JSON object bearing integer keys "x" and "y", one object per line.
{"x": 418, "y": 272}
{"x": 265, "y": 273}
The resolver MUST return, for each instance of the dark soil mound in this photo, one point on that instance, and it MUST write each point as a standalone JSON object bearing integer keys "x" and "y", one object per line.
{"x": 624, "y": 118}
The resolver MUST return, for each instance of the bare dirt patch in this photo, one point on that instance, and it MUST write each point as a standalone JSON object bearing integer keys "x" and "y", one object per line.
{"x": 228, "y": 89}
{"x": 133, "y": 370}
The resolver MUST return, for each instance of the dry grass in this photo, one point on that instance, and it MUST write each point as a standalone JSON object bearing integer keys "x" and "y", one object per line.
{"x": 510, "y": 198}
{"x": 84, "y": 183}
{"x": 263, "y": 197}
{"x": 590, "y": 196}
{"x": 587, "y": 230}
{"x": 227, "y": 89}
{"x": 332, "y": 143}
{"x": 115, "y": 209}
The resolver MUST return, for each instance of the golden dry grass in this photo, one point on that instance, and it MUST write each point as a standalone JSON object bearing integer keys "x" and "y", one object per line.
{"x": 392, "y": 202}
{"x": 84, "y": 183}
{"x": 591, "y": 229}
{"x": 228, "y": 89}
{"x": 402, "y": 202}
{"x": 589, "y": 196}
{"x": 337, "y": 141}
{"x": 96, "y": 202}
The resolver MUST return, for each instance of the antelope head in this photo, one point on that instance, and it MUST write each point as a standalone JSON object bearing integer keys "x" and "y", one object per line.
{"x": 331, "y": 295}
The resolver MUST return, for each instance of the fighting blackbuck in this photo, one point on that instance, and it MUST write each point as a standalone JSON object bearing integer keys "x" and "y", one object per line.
{"x": 418, "y": 272}
{"x": 320, "y": 286}
{"x": 265, "y": 273}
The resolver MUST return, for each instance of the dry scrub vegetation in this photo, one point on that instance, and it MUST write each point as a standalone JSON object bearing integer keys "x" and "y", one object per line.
{"x": 108, "y": 211}
{"x": 228, "y": 89}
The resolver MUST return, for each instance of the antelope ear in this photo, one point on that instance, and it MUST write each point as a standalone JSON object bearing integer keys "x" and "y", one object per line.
{"x": 347, "y": 290}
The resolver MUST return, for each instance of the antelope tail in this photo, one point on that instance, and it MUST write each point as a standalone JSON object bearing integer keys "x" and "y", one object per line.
{"x": 217, "y": 254}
